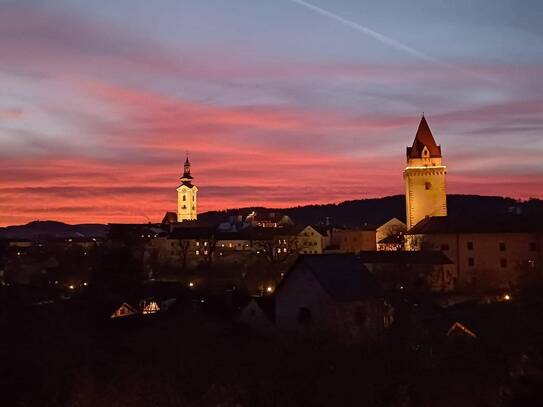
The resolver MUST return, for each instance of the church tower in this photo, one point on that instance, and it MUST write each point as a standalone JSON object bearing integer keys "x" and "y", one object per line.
{"x": 424, "y": 178}
{"x": 187, "y": 196}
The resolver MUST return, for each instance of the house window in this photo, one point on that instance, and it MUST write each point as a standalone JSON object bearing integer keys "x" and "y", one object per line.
{"x": 533, "y": 247}
{"x": 470, "y": 245}
{"x": 444, "y": 246}
{"x": 427, "y": 185}
{"x": 197, "y": 252}
{"x": 184, "y": 197}
{"x": 471, "y": 262}
{"x": 304, "y": 316}
{"x": 502, "y": 246}
{"x": 503, "y": 263}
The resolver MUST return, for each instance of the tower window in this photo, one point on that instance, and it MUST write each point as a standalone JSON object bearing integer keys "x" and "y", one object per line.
{"x": 427, "y": 185}
{"x": 470, "y": 245}
{"x": 471, "y": 262}
{"x": 184, "y": 197}
{"x": 503, "y": 263}
{"x": 502, "y": 247}
{"x": 532, "y": 246}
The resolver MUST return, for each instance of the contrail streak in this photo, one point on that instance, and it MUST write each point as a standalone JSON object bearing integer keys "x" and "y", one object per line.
{"x": 369, "y": 32}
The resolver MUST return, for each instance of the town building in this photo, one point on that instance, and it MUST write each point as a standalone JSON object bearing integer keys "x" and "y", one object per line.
{"x": 332, "y": 294}
{"x": 424, "y": 176}
{"x": 268, "y": 220}
{"x": 352, "y": 240}
{"x": 411, "y": 271}
{"x": 187, "y": 196}
{"x": 487, "y": 254}
{"x": 312, "y": 240}
{"x": 390, "y": 235}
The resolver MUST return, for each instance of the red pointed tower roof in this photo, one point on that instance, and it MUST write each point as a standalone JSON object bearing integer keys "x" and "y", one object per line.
{"x": 424, "y": 138}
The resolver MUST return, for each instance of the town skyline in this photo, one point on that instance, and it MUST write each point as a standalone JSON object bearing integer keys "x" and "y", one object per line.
{"x": 322, "y": 118}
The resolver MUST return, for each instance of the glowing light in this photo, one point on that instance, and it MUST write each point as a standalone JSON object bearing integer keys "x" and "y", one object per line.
{"x": 269, "y": 289}
{"x": 191, "y": 284}
{"x": 71, "y": 287}
{"x": 506, "y": 297}
{"x": 151, "y": 308}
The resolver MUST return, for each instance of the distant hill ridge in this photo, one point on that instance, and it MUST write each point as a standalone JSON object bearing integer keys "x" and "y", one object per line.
{"x": 373, "y": 212}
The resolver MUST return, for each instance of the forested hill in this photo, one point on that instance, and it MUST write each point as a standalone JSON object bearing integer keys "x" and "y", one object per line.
{"x": 371, "y": 212}
{"x": 377, "y": 211}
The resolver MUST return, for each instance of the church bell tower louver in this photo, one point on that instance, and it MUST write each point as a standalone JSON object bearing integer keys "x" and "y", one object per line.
{"x": 424, "y": 176}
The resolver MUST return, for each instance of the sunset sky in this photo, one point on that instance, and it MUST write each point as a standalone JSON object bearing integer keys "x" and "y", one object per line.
{"x": 279, "y": 102}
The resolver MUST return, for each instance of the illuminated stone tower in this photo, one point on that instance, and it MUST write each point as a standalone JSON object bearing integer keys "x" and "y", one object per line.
{"x": 424, "y": 178}
{"x": 187, "y": 196}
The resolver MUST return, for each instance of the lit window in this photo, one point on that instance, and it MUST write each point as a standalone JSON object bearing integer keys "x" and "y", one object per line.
{"x": 197, "y": 252}
{"x": 197, "y": 243}
{"x": 205, "y": 243}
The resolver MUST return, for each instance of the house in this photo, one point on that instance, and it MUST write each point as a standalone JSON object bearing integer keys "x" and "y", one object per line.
{"x": 312, "y": 240}
{"x": 125, "y": 310}
{"x": 331, "y": 293}
{"x": 411, "y": 270}
{"x": 353, "y": 240}
{"x": 268, "y": 220}
{"x": 457, "y": 329}
{"x": 488, "y": 255}
{"x": 390, "y": 235}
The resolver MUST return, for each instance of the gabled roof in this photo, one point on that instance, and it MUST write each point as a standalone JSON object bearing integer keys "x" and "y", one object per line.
{"x": 169, "y": 217}
{"x": 342, "y": 276}
{"x": 448, "y": 225}
{"x": 424, "y": 138}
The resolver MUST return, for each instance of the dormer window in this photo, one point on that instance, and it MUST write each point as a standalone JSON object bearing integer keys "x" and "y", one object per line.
{"x": 425, "y": 152}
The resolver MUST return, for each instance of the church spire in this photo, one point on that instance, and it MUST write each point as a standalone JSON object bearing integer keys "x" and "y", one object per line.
{"x": 424, "y": 138}
{"x": 186, "y": 171}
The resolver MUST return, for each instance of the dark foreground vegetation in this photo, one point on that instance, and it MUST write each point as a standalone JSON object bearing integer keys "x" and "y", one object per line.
{"x": 69, "y": 353}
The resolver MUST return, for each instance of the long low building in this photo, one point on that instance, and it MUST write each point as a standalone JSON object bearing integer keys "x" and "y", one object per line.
{"x": 487, "y": 255}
